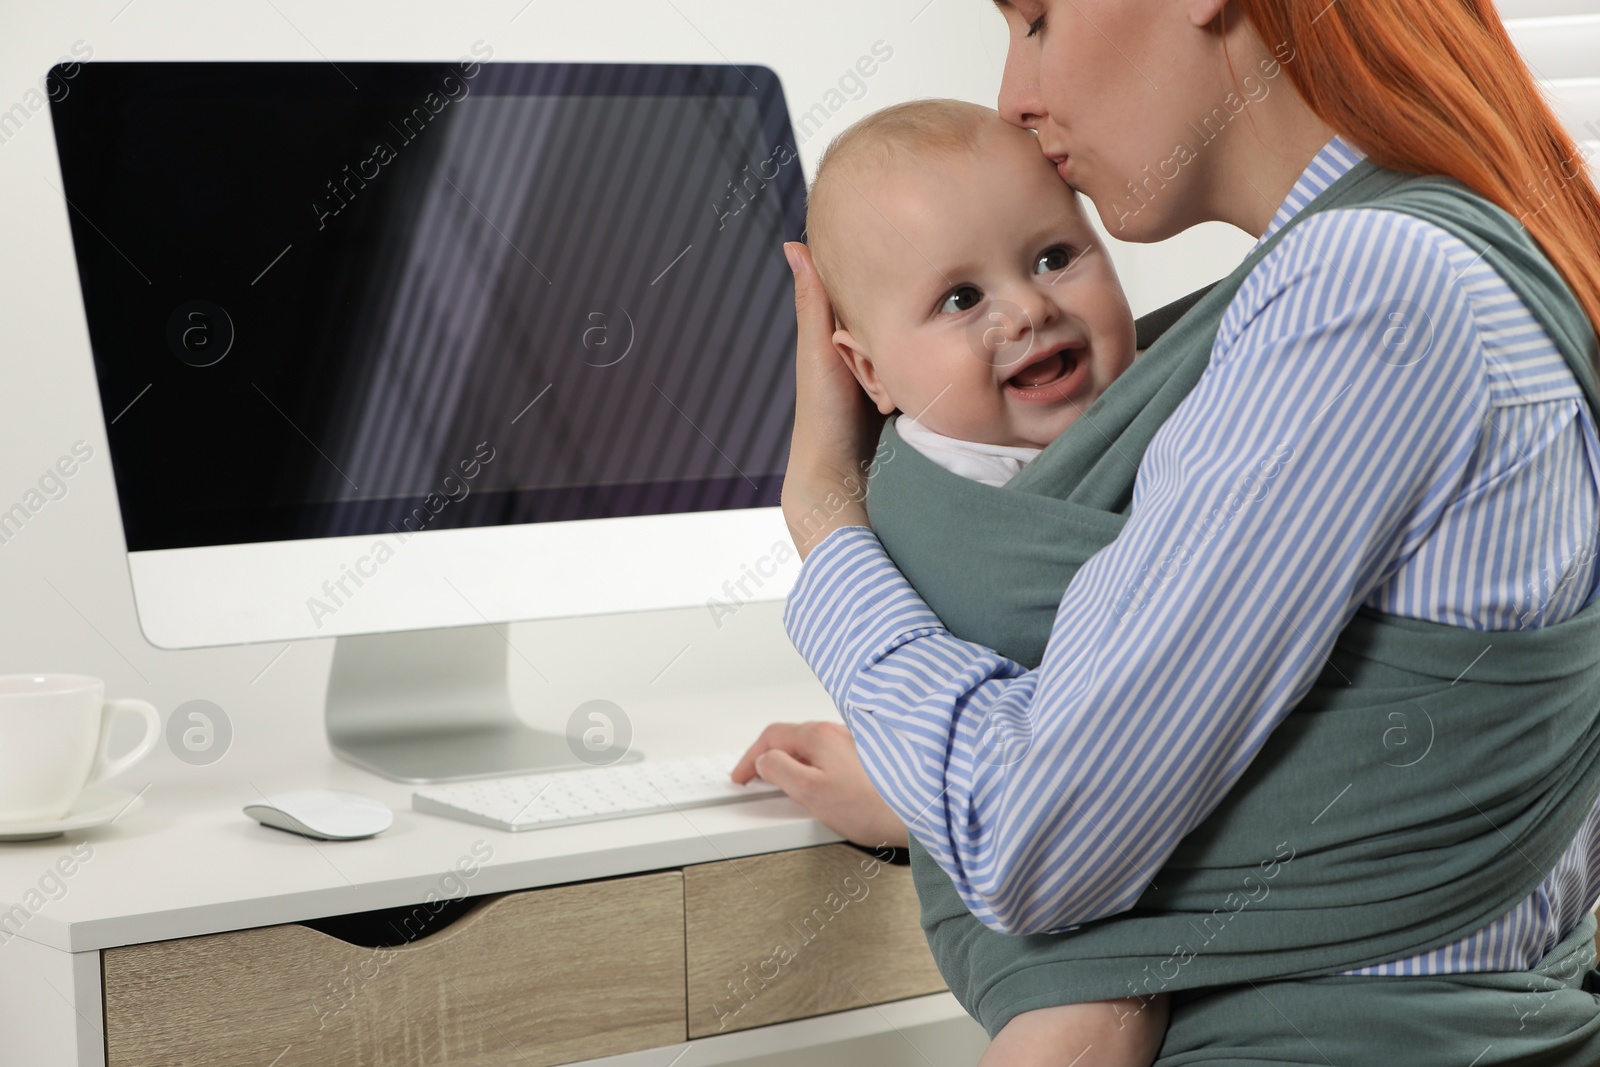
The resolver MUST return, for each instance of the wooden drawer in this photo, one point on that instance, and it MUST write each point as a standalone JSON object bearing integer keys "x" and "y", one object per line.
{"x": 791, "y": 934}
{"x": 533, "y": 978}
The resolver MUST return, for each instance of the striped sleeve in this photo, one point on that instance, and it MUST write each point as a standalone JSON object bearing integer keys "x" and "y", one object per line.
{"x": 1318, "y": 448}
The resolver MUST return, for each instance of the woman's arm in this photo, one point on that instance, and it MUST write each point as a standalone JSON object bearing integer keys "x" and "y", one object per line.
{"x": 1309, "y": 461}
{"x": 836, "y": 425}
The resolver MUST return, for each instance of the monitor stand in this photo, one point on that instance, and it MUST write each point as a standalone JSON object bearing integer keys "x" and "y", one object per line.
{"x": 435, "y": 706}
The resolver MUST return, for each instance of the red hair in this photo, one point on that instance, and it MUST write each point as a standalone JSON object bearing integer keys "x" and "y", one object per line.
{"x": 1437, "y": 87}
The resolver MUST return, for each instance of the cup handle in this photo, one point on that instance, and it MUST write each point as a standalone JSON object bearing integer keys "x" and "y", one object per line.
{"x": 105, "y": 767}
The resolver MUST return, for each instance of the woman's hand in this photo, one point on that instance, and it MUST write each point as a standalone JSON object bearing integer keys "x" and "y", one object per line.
{"x": 816, "y": 764}
{"x": 835, "y": 425}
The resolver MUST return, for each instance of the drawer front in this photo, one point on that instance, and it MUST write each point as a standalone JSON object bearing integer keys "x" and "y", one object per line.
{"x": 534, "y": 978}
{"x": 791, "y": 934}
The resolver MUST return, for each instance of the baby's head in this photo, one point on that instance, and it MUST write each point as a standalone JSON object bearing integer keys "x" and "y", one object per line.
{"x": 970, "y": 289}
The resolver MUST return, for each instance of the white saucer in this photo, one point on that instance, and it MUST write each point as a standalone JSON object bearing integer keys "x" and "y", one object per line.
{"x": 95, "y": 806}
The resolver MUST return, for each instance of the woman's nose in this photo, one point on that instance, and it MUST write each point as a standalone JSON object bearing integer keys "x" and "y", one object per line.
{"x": 1019, "y": 102}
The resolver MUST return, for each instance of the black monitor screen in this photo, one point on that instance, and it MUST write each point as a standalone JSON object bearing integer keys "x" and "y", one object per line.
{"x": 376, "y": 297}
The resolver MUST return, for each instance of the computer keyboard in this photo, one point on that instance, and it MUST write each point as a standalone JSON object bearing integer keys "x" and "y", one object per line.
{"x": 591, "y": 794}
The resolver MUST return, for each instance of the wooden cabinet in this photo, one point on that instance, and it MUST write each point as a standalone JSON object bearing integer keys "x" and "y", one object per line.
{"x": 790, "y": 934}
{"x": 533, "y": 978}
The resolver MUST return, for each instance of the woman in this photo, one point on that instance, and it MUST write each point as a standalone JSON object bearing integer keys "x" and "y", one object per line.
{"x": 1428, "y": 435}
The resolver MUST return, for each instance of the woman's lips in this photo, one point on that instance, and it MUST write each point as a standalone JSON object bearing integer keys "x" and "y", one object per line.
{"x": 1061, "y": 167}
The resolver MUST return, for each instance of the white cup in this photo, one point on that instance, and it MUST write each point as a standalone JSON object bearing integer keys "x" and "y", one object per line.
{"x": 55, "y": 730}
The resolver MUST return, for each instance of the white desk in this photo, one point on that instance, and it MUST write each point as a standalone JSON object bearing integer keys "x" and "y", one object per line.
{"x": 185, "y": 861}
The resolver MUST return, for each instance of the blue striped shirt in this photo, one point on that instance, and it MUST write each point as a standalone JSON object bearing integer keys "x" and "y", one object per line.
{"x": 1441, "y": 465}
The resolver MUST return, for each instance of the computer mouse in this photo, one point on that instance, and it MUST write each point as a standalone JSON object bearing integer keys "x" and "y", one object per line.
{"x": 325, "y": 814}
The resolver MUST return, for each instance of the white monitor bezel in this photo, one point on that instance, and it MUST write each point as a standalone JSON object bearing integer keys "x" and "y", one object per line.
{"x": 258, "y": 592}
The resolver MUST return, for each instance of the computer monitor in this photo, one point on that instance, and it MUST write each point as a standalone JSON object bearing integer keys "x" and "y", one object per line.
{"x": 393, "y": 352}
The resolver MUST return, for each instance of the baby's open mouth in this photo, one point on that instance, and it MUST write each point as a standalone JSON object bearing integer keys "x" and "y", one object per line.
{"x": 1047, "y": 370}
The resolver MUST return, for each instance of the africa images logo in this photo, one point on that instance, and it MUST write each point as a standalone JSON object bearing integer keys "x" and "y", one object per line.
{"x": 345, "y": 187}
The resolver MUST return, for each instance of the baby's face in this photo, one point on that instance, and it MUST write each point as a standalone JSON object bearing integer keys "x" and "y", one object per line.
{"x": 987, "y": 308}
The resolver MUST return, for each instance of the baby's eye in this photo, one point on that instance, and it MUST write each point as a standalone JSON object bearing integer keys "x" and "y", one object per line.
{"x": 1055, "y": 259}
{"x": 961, "y": 298}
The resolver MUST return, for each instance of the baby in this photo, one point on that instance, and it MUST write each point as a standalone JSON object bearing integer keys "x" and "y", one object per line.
{"x": 971, "y": 292}
{"x": 973, "y": 296}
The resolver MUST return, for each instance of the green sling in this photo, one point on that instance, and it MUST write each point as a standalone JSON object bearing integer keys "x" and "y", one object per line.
{"x": 1416, "y": 857}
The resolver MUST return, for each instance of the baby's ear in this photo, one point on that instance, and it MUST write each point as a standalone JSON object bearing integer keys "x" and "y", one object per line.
{"x": 860, "y": 364}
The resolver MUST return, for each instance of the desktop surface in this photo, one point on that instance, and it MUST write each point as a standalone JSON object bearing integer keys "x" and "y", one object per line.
{"x": 184, "y": 860}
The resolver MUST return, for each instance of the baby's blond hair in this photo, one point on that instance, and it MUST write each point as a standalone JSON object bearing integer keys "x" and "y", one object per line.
{"x": 913, "y": 130}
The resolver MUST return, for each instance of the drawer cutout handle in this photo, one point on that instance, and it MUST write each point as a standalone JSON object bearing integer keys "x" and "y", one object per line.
{"x": 397, "y": 927}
